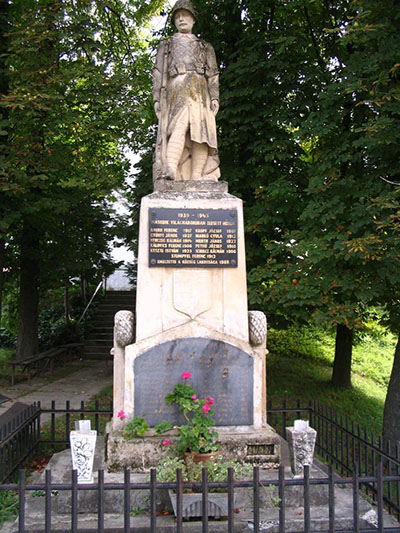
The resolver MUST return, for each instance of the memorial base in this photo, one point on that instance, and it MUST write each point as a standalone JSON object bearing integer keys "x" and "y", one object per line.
{"x": 260, "y": 447}
{"x": 226, "y": 368}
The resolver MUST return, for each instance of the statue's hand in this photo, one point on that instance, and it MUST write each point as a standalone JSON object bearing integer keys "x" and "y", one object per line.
{"x": 157, "y": 109}
{"x": 214, "y": 106}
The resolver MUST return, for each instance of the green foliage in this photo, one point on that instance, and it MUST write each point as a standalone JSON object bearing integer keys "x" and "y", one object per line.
{"x": 372, "y": 353}
{"x": 7, "y": 339}
{"x": 196, "y": 435}
{"x": 167, "y": 467}
{"x": 304, "y": 342}
{"x": 293, "y": 374}
{"x": 217, "y": 470}
{"x": 104, "y": 399}
{"x": 136, "y": 428}
{"x": 74, "y": 77}
{"x": 162, "y": 427}
{"x": 6, "y": 356}
{"x": 8, "y": 506}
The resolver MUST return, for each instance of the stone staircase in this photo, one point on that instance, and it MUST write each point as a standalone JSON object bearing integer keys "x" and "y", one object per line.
{"x": 99, "y": 340}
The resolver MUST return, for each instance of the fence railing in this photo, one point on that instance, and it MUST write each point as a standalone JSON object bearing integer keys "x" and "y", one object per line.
{"x": 344, "y": 444}
{"x": 19, "y": 437}
{"x": 368, "y": 461}
{"x": 280, "y": 519}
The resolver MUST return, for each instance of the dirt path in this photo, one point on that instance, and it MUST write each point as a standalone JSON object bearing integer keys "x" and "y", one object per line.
{"x": 76, "y": 382}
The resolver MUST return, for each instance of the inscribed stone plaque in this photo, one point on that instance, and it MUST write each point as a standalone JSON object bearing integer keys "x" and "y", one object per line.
{"x": 194, "y": 238}
{"x": 218, "y": 369}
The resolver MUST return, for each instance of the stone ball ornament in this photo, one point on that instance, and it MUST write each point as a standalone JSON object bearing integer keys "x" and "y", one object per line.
{"x": 257, "y": 327}
{"x": 124, "y": 328}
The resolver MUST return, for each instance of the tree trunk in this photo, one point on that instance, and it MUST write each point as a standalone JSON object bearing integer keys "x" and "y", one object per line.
{"x": 28, "y": 305}
{"x": 2, "y": 265}
{"x": 391, "y": 426}
{"x": 341, "y": 375}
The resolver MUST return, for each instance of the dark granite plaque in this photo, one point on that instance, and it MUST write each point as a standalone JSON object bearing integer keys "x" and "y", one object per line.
{"x": 218, "y": 369}
{"x": 193, "y": 238}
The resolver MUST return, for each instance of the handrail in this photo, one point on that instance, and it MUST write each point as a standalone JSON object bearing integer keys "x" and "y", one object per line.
{"x": 90, "y": 301}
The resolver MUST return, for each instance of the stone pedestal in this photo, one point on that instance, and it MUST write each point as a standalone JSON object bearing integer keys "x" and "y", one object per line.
{"x": 82, "y": 452}
{"x": 301, "y": 447}
{"x": 170, "y": 296}
{"x": 191, "y": 315}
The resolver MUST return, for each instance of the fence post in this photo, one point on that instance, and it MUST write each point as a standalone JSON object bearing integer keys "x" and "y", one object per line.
{"x": 48, "y": 501}
{"x": 307, "y": 516}
{"x": 179, "y": 490}
{"x": 100, "y": 502}
{"x": 256, "y": 498}
{"x": 282, "y": 503}
{"x": 127, "y": 500}
{"x": 380, "y": 495}
{"x": 356, "y": 503}
{"x": 21, "y": 497}
{"x": 230, "y": 500}
{"x": 74, "y": 501}
{"x": 153, "y": 517}
{"x": 204, "y": 491}
{"x": 331, "y": 488}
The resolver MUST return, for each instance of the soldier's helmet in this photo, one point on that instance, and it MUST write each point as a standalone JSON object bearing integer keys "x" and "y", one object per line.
{"x": 183, "y": 4}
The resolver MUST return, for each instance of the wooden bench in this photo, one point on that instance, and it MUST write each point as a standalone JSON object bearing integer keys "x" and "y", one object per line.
{"x": 42, "y": 360}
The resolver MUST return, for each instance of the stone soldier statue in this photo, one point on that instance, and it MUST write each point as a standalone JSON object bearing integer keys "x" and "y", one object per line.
{"x": 186, "y": 100}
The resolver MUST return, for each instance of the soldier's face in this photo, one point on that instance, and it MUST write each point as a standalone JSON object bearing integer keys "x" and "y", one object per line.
{"x": 184, "y": 21}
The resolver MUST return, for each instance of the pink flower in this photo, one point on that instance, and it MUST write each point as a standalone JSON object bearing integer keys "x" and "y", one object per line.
{"x": 209, "y": 400}
{"x": 194, "y": 397}
{"x": 206, "y": 408}
{"x": 186, "y": 375}
{"x": 121, "y": 415}
{"x": 166, "y": 442}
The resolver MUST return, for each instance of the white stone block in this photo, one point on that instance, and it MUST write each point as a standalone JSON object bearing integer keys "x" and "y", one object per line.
{"x": 83, "y": 446}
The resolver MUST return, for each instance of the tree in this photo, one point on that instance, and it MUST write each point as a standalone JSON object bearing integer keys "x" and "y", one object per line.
{"x": 309, "y": 103}
{"x": 330, "y": 263}
{"x": 74, "y": 82}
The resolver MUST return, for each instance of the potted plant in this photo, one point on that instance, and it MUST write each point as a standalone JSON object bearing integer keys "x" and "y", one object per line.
{"x": 196, "y": 436}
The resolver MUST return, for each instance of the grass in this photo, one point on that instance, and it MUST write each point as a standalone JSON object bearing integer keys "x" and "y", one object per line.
{"x": 6, "y": 355}
{"x": 8, "y": 506}
{"x": 104, "y": 397}
{"x": 299, "y": 366}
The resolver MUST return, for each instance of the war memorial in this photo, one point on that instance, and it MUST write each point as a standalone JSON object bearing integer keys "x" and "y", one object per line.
{"x": 191, "y": 307}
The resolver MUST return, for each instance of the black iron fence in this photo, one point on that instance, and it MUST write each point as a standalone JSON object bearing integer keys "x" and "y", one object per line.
{"x": 367, "y": 462}
{"x": 279, "y": 521}
{"x": 19, "y": 437}
{"x": 343, "y": 444}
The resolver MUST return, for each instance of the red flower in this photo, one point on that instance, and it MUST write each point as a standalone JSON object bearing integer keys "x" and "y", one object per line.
{"x": 206, "y": 408}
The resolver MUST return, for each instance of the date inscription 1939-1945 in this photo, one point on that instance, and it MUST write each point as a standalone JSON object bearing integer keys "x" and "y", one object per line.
{"x": 197, "y": 238}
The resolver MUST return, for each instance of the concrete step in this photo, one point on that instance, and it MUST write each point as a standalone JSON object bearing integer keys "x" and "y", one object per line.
{"x": 98, "y": 342}
{"x": 99, "y": 337}
{"x": 100, "y": 334}
{"x": 97, "y": 352}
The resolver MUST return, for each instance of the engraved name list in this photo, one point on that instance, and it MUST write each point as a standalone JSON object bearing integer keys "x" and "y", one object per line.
{"x": 193, "y": 238}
